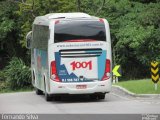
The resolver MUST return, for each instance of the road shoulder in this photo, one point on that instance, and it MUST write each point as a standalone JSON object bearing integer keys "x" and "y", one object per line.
{"x": 128, "y": 93}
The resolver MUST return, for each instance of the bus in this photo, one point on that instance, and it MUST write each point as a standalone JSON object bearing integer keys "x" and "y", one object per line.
{"x": 70, "y": 54}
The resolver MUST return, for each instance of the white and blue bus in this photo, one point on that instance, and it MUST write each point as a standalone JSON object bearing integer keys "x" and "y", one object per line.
{"x": 70, "y": 54}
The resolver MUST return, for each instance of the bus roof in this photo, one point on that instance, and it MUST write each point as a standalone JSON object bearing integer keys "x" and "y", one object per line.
{"x": 67, "y": 15}
{"x": 44, "y": 20}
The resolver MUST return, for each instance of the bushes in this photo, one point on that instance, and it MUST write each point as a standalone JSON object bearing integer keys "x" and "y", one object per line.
{"x": 3, "y": 84}
{"x": 16, "y": 74}
{"x": 2, "y": 76}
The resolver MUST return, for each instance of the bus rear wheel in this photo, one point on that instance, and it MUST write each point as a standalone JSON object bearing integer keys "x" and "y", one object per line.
{"x": 101, "y": 96}
{"x": 93, "y": 97}
{"x": 57, "y": 98}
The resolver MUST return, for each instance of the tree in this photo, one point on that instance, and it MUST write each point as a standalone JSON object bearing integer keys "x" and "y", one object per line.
{"x": 9, "y": 29}
{"x": 134, "y": 28}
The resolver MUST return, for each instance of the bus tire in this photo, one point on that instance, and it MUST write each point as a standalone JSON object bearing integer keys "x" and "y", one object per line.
{"x": 39, "y": 92}
{"x": 101, "y": 96}
{"x": 93, "y": 97}
{"x": 57, "y": 98}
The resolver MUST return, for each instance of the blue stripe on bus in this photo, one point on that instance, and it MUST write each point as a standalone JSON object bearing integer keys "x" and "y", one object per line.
{"x": 101, "y": 61}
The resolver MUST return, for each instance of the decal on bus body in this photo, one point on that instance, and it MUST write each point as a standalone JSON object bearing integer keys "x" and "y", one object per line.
{"x": 40, "y": 58}
{"x": 80, "y": 69}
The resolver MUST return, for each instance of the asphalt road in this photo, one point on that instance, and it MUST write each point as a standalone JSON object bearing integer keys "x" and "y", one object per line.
{"x": 114, "y": 103}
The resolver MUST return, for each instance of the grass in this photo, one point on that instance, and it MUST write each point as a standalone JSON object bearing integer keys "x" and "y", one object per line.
{"x": 5, "y": 89}
{"x": 145, "y": 86}
{"x": 25, "y": 89}
{"x": 19, "y": 90}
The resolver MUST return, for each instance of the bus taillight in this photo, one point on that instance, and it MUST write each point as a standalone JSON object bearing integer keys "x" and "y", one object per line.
{"x": 57, "y": 21}
{"x": 54, "y": 75}
{"x": 101, "y": 20}
{"x": 107, "y": 73}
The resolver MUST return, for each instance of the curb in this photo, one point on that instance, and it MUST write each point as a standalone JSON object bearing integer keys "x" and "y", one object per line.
{"x": 126, "y": 92}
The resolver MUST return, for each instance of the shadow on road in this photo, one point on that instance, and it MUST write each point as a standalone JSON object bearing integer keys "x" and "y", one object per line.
{"x": 76, "y": 99}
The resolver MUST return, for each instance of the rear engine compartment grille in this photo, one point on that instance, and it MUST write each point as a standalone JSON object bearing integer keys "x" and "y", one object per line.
{"x": 69, "y": 53}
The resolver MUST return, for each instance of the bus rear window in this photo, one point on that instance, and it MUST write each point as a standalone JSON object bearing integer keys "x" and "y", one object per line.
{"x": 79, "y": 30}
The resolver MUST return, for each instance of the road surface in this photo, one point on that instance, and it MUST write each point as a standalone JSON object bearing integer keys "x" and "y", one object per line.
{"x": 114, "y": 103}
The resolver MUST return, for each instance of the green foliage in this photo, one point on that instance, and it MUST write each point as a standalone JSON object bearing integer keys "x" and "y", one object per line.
{"x": 2, "y": 75}
{"x": 18, "y": 74}
{"x": 10, "y": 29}
{"x": 134, "y": 30}
{"x": 3, "y": 85}
{"x": 6, "y": 22}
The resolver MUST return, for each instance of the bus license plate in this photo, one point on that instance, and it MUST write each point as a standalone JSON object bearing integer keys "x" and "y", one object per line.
{"x": 81, "y": 86}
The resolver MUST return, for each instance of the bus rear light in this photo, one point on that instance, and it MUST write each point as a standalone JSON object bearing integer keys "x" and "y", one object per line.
{"x": 101, "y": 20}
{"x": 107, "y": 72}
{"x": 53, "y": 72}
{"x": 57, "y": 21}
{"x": 108, "y": 66}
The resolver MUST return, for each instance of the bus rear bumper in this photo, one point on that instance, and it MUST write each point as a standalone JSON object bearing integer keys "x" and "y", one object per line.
{"x": 71, "y": 88}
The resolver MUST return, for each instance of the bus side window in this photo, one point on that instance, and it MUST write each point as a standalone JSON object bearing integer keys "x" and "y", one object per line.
{"x": 40, "y": 37}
